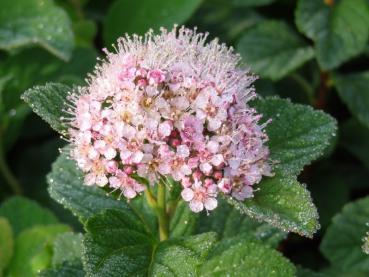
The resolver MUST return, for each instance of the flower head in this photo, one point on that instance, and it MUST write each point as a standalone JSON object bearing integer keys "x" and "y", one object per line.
{"x": 174, "y": 105}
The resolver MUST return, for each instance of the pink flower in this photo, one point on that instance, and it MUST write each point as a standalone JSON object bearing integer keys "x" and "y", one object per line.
{"x": 243, "y": 193}
{"x": 156, "y": 76}
{"x": 225, "y": 185}
{"x": 174, "y": 105}
{"x": 129, "y": 187}
{"x": 200, "y": 197}
{"x": 191, "y": 130}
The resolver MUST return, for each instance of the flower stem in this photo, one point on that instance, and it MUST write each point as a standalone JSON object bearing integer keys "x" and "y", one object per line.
{"x": 162, "y": 213}
{"x": 150, "y": 198}
{"x": 6, "y": 172}
{"x": 324, "y": 87}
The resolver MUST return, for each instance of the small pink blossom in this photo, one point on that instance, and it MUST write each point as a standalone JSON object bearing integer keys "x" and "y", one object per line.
{"x": 191, "y": 130}
{"x": 156, "y": 76}
{"x": 200, "y": 197}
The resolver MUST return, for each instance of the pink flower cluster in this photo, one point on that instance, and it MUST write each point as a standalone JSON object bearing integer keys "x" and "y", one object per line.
{"x": 170, "y": 105}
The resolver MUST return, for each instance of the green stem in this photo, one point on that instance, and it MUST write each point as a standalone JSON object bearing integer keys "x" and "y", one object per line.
{"x": 151, "y": 200}
{"x": 6, "y": 172}
{"x": 162, "y": 212}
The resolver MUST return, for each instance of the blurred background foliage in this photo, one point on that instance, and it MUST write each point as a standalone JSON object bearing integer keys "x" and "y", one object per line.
{"x": 313, "y": 52}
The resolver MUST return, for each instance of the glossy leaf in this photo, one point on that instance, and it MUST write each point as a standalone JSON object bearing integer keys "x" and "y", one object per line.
{"x": 184, "y": 221}
{"x": 239, "y": 257}
{"x": 273, "y": 49}
{"x": 342, "y": 243}
{"x": 48, "y": 102}
{"x": 23, "y": 213}
{"x": 29, "y": 22}
{"x": 297, "y": 134}
{"x": 354, "y": 92}
{"x": 228, "y": 222}
{"x": 130, "y": 17}
{"x": 284, "y": 203}
{"x": 129, "y": 249}
{"x": 32, "y": 251}
{"x": 67, "y": 188}
{"x": 340, "y": 29}
{"x": 6, "y": 243}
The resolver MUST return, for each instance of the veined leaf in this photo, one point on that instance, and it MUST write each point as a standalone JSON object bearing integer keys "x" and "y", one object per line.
{"x": 130, "y": 17}
{"x": 228, "y": 222}
{"x": 240, "y": 257}
{"x": 273, "y": 49}
{"x": 66, "y": 187}
{"x": 340, "y": 30}
{"x": 354, "y": 92}
{"x": 297, "y": 134}
{"x": 284, "y": 203}
{"x": 28, "y": 22}
{"x": 117, "y": 243}
{"x": 342, "y": 243}
{"x": 48, "y": 102}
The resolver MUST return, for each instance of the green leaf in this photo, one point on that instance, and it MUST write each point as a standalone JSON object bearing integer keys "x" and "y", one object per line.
{"x": 33, "y": 249}
{"x": 48, "y": 102}
{"x": 273, "y": 49}
{"x": 119, "y": 244}
{"x": 183, "y": 222}
{"x": 297, "y": 134}
{"x": 181, "y": 256}
{"x": 338, "y": 272}
{"x": 29, "y": 22}
{"x": 35, "y": 67}
{"x": 251, "y": 3}
{"x": 284, "y": 203}
{"x": 65, "y": 270}
{"x": 239, "y": 257}
{"x": 140, "y": 206}
{"x": 342, "y": 243}
{"x": 66, "y": 187}
{"x": 85, "y": 31}
{"x": 67, "y": 249}
{"x": 228, "y": 223}
{"x": 66, "y": 260}
{"x": 130, "y": 17}
{"x": 23, "y": 213}
{"x": 340, "y": 31}
{"x": 6, "y": 243}
{"x": 355, "y": 139}
{"x": 354, "y": 92}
